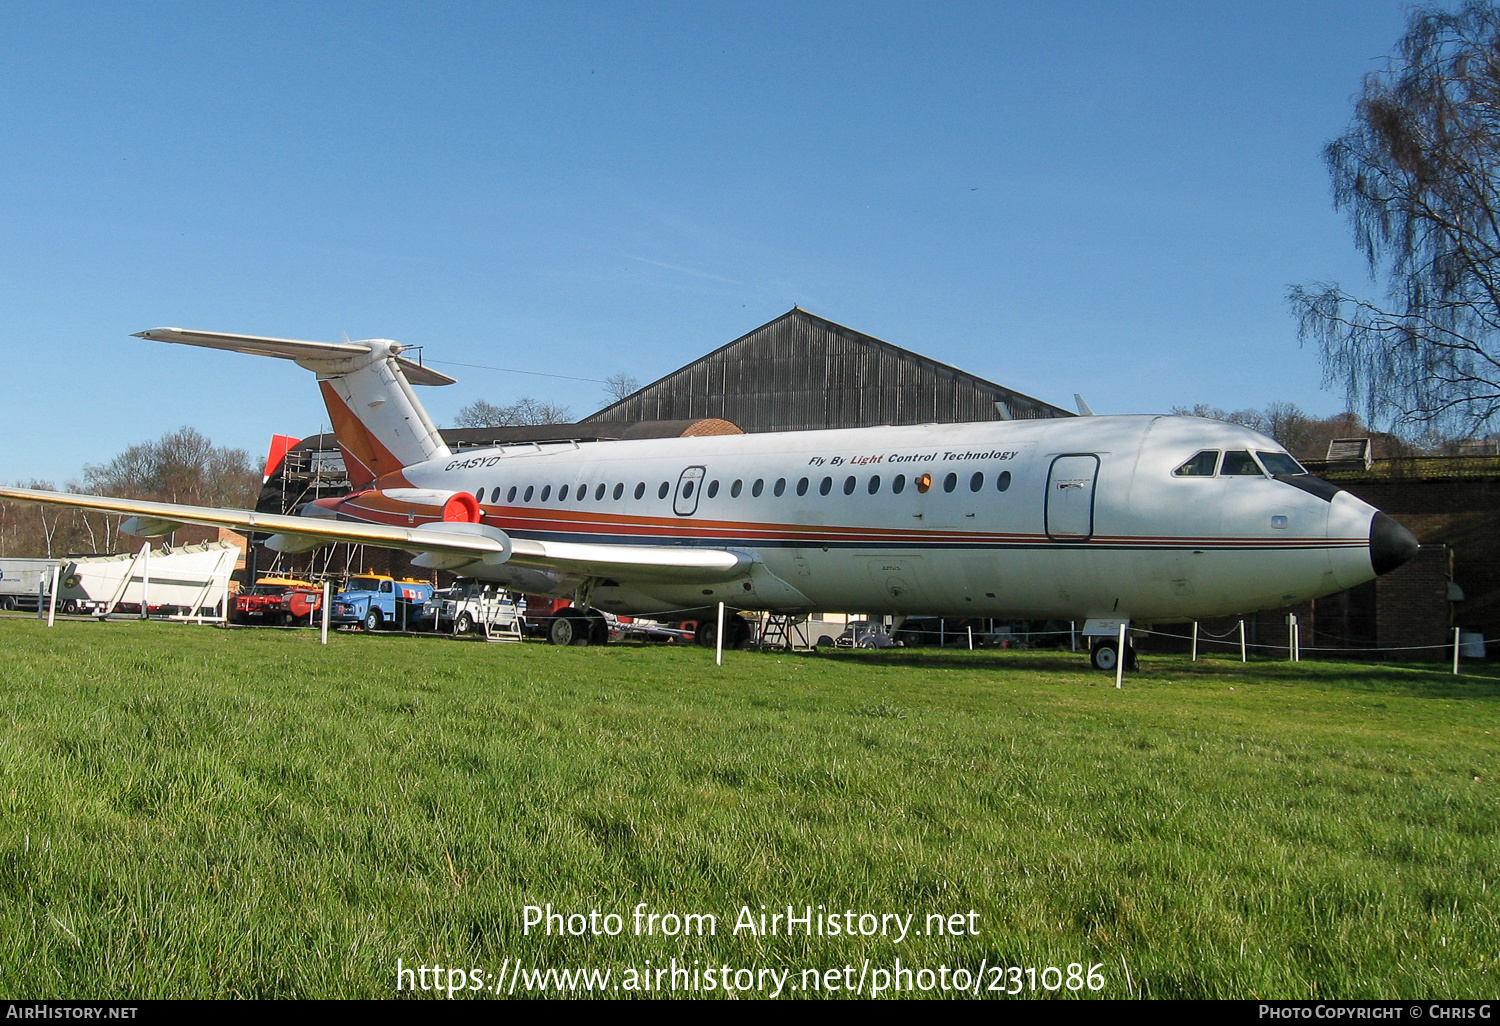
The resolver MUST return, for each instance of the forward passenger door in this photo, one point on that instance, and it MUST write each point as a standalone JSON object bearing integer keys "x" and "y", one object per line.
{"x": 1070, "y": 497}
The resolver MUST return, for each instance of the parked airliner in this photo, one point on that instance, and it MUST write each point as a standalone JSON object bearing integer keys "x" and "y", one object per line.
{"x": 1138, "y": 519}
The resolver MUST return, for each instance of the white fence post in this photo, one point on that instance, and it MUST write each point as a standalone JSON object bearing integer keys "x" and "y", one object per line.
{"x": 52, "y": 598}
{"x": 719, "y": 639}
{"x": 1120, "y": 660}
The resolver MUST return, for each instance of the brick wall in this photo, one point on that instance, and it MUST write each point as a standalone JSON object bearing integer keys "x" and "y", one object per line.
{"x": 1413, "y": 607}
{"x": 1462, "y": 514}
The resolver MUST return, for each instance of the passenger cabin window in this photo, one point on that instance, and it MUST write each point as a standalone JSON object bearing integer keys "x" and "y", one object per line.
{"x": 599, "y": 493}
{"x": 562, "y": 495}
{"x": 734, "y": 489}
{"x": 1239, "y": 463}
{"x": 757, "y": 487}
{"x": 619, "y": 491}
{"x": 666, "y": 486}
{"x": 781, "y": 486}
{"x": 874, "y": 484}
{"x": 1003, "y": 481}
{"x": 898, "y": 484}
{"x": 950, "y": 482}
{"x": 1201, "y": 465}
{"x": 713, "y": 489}
{"x": 640, "y": 489}
{"x": 510, "y": 496}
{"x": 976, "y": 482}
{"x": 826, "y": 486}
{"x": 802, "y": 486}
{"x": 546, "y": 493}
{"x": 1279, "y": 464}
{"x": 530, "y": 490}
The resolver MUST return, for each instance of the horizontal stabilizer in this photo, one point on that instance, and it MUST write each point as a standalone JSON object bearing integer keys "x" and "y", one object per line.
{"x": 313, "y": 355}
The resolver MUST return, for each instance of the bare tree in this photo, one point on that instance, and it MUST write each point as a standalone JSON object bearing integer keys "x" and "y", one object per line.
{"x": 1307, "y": 437}
{"x": 48, "y": 518}
{"x": 480, "y": 414}
{"x": 1252, "y": 419}
{"x": 618, "y": 386}
{"x": 1286, "y": 423}
{"x": 524, "y": 410}
{"x": 181, "y": 466}
{"x": 1418, "y": 173}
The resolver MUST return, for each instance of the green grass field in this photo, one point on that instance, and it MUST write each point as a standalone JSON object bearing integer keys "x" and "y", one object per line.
{"x": 192, "y": 812}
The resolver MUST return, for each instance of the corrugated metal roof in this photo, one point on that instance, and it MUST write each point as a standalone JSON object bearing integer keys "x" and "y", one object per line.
{"x": 802, "y": 372}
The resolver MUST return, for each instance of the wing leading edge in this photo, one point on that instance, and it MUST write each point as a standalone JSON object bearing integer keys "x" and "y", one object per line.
{"x": 445, "y": 541}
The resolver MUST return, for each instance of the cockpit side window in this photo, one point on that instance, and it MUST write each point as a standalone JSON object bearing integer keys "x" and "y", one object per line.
{"x": 1201, "y": 465}
{"x": 1239, "y": 463}
{"x": 1279, "y": 464}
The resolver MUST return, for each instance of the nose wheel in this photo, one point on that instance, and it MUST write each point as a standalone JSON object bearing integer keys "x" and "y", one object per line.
{"x": 1105, "y": 655}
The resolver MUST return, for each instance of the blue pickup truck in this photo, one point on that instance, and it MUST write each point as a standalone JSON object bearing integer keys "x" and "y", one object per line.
{"x": 374, "y": 601}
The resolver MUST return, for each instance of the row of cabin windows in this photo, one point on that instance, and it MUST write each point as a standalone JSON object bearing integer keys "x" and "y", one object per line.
{"x": 897, "y": 485}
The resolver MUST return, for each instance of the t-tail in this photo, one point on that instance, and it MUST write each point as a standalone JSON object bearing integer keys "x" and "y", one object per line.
{"x": 378, "y": 420}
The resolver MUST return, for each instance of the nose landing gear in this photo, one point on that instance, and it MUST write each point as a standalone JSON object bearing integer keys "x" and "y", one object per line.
{"x": 1105, "y": 656}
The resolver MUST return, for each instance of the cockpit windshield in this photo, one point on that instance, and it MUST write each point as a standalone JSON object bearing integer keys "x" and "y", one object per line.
{"x": 1279, "y": 464}
{"x": 1238, "y": 463}
{"x": 1201, "y": 465}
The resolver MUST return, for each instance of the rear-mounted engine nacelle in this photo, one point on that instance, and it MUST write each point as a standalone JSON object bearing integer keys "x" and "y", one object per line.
{"x": 413, "y": 504}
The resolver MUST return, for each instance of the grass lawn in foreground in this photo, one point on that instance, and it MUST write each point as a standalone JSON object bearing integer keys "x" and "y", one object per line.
{"x": 196, "y": 812}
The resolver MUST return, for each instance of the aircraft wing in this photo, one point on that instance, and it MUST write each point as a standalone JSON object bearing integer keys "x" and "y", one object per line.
{"x": 644, "y": 563}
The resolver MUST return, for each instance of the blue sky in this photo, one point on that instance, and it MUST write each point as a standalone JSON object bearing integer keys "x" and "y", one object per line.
{"x": 1105, "y": 198}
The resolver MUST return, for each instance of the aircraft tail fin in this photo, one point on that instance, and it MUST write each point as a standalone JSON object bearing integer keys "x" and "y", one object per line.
{"x": 378, "y": 421}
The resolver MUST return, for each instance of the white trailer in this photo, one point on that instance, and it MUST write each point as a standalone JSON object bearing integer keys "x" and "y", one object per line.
{"x": 190, "y": 582}
{"x": 22, "y": 581}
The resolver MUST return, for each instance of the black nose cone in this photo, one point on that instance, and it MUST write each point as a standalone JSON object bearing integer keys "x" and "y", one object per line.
{"x": 1391, "y": 545}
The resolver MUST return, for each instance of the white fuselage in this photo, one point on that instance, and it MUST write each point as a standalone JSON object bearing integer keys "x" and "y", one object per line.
{"x": 1046, "y": 519}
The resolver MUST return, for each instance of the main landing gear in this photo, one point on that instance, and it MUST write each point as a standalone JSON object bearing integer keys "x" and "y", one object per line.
{"x": 574, "y": 626}
{"x": 737, "y": 632}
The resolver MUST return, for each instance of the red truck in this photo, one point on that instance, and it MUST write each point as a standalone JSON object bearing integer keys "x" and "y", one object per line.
{"x": 281, "y": 601}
